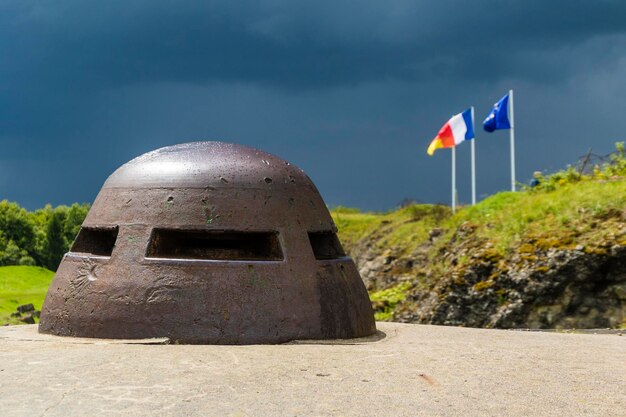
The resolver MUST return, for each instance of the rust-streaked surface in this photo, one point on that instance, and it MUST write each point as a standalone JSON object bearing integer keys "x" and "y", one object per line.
{"x": 223, "y": 189}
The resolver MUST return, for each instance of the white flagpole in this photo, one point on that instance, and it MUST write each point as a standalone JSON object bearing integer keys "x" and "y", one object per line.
{"x": 473, "y": 162}
{"x": 512, "y": 141}
{"x": 453, "y": 179}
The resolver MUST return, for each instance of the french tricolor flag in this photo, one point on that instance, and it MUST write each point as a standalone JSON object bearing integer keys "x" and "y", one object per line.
{"x": 459, "y": 128}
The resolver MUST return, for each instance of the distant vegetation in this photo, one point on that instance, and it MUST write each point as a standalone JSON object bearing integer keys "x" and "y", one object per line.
{"x": 38, "y": 238}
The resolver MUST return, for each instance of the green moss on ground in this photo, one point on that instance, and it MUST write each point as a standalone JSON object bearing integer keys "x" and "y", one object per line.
{"x": 385, "y": 301}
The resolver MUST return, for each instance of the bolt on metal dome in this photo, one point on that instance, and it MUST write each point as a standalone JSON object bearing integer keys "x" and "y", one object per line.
{"x": 208, "y": 242}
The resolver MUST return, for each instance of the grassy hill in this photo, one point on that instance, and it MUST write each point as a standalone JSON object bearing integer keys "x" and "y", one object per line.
{"x": 22, "y": 285}
{"x": 551, "y": 256}
{"x": 565, "y": 217}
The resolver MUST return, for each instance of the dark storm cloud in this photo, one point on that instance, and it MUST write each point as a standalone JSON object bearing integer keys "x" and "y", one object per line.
{"x": 85, "y": 86}
{"x": 302, "y": 45}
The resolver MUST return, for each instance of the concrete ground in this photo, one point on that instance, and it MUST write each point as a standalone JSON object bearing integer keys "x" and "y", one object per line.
{"x": 414, "y": 370}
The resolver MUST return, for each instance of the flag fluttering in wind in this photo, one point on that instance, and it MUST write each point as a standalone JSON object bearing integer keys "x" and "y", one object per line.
{"x": 458, "y": 129}
{"x": 498, "y": 117}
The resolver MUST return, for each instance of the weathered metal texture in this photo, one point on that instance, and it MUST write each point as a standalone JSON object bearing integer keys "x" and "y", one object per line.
{"x": 208, "y": 242}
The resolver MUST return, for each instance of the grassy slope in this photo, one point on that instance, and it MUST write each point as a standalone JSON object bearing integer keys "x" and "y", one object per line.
{"x": 589, "y": 213}
{"x": 571, "y": 213}
{"x": 22, "y": 285}
{"x": 403, "y": 229}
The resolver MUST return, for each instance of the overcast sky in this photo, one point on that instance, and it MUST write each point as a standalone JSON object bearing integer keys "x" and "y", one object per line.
{"x": 350, "y": 91}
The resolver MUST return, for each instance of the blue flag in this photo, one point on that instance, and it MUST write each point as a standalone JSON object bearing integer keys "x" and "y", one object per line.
{"x": 498, "y": 117}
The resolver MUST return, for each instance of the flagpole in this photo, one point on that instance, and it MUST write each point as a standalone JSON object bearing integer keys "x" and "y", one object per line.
{"x": 453, "y": 179}
{"x": 473, "y": 161}
{"x": 512, "y": 141}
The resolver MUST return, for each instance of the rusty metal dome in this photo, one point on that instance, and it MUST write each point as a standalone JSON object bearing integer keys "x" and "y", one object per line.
{"x": 208, "y": 242}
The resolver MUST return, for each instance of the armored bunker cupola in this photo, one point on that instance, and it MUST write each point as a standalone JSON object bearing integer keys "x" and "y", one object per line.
{"x": 208, "y": 242}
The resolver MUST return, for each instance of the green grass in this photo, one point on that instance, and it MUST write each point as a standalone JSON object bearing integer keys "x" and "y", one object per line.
{"x": 405, "y": 228}
{"x": 22, "y": 285}
{"x": 569, "y": 213}
{"x": 566, "y": 209}
{"x": 505, "y": 219}
{"x": 355, "y": 226}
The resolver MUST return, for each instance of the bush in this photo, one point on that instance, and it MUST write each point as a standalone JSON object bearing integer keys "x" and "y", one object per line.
{"x": 40, "y": 237}
{"x": 616, "y": 168}
{"x": 26, "y": 261}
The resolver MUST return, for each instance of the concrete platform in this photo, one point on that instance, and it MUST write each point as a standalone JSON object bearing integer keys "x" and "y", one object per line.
{"x": 413, "y": 370}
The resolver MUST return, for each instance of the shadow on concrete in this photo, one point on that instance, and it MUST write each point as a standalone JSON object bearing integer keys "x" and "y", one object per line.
{"x": 376, "y": 337}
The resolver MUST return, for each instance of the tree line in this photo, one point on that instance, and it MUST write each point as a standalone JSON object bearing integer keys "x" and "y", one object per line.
{"x": 40, "y": 237}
